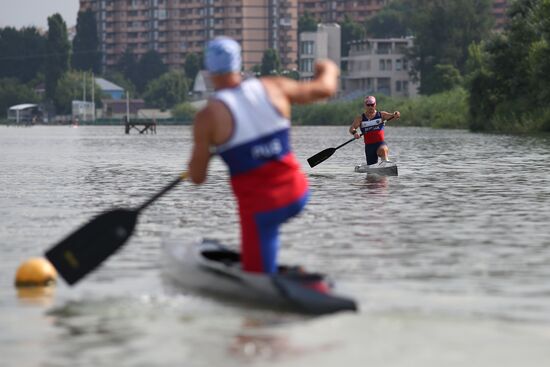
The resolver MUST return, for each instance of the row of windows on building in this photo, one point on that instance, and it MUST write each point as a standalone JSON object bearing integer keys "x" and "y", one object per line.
{"x": 173, "y": 13}
{"x": 383, "y": 65}
{"x": 383, "y": 85}
{"x": 307, "y": 48}
{"x": 165, "y": 35}
{"x": 172, "y": 56}
{"x": 334, "y": 4}
{"x": 306, "y": 65}
{"x": 382, "y": 48}
{"x": 161, "y": 46}
{"x": 157, "y": 37}
{"x": 134, "y": 3}
{"x": 160, "y": 24}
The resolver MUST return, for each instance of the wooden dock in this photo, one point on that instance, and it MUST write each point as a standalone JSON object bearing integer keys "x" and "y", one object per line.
{"x": 141, "y": 126}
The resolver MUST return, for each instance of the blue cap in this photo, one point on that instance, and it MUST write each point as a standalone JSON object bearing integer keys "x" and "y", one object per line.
{"x": 223, "y": 55}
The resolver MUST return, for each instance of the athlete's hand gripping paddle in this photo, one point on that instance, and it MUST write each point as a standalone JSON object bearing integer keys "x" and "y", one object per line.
{"x": 327, "y": 153}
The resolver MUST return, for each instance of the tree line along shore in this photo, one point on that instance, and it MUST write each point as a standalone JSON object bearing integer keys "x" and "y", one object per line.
{"x": 470, "y": 76}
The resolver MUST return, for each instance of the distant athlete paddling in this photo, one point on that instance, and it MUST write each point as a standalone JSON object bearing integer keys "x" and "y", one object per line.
{"x": 371, "y": 124}
{"x": 247, "y": 123}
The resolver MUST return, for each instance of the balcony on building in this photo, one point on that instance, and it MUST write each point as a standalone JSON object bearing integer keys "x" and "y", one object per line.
{"x": 379, "y": 66}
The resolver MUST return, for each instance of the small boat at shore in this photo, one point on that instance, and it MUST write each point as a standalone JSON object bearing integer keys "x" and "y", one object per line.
{"x": 211, "y": 268}
{"x": 383, "y": 168}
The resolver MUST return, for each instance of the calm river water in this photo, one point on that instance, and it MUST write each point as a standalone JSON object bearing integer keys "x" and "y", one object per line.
{"x": 449, "y": 261}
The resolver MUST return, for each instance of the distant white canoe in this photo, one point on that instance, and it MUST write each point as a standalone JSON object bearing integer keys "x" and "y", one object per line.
{"x": 384, "y": 168}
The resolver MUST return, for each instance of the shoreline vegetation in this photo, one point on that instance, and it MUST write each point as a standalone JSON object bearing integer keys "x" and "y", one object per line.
{"x": 469, "y": 76}
{"x": 445, "y": 110}
{"x": 99, "y": 122}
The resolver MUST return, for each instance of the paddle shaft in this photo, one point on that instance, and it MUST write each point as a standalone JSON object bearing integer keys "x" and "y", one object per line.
{"x": 86, "y": 248}
{"x": 169, "y": 187}
{"x": 347, "y": 142}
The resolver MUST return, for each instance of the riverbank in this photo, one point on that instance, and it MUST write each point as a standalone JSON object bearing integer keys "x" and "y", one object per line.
{"x": 445, "y": 110}
{"x": 100, "y": 122}
{"x": 448, "y": 110}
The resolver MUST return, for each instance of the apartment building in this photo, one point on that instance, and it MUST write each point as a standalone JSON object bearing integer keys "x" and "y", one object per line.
{"x": 379, "y": 66}
{"x": 498, "y": 10}
{"x": 328, "y": 11}
{"x": 322, "y": 44}
{"x": 175, "y": 28}
{"x": 334, "y": 11}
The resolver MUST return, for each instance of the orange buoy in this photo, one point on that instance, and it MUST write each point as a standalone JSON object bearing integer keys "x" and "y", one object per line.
{"x": 35, "y": 272}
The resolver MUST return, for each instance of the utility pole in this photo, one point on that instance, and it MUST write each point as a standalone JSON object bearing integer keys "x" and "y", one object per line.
{"x": 127, "y": 107}
{"x": 93, "y": 97}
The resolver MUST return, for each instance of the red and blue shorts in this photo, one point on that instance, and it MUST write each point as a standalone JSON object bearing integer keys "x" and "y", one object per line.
{"x": 260, "y": 235}
{"x": 370, "y": 152}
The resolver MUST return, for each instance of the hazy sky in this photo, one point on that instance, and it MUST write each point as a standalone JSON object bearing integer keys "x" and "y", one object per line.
{"x": 21, "y": 13}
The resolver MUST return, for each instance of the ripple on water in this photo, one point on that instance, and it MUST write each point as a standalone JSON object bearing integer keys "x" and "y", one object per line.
{"x": 461, "y": 234}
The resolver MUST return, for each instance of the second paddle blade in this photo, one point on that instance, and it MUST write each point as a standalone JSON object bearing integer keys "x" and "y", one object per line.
{"x": 320, "y": 157}
{"x": 83, "y": 250}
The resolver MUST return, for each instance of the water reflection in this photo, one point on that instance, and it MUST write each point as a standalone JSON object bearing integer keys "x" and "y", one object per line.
{"x": 43, "y": 296}
{"x": 461, "y": 235}
{"x": 258, "y": 342}
{"x": 376, "y": 183}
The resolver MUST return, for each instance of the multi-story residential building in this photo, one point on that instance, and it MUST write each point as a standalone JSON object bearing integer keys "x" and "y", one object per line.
{"x": 327, "y": 11}
{"x": 322, "y": 44}
{"x": 334, "y": 11}
{"x": 379, "y": 66}
{"x": 175, "y": 28}
{"x": 499, "y": 12}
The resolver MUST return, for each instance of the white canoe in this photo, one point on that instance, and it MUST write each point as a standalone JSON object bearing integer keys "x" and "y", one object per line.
{"x": 211, "y": 268}
{"x": 386, "y": 168}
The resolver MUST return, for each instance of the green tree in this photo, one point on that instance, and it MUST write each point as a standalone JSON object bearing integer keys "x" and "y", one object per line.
{"x": 271, "y": 63}
{"x": 257, "y": 70}
{"x": 307, "y": 23}
{"x": 184, "y": 112}
{"x": 149, "y": 67}
{"x": 350, "y": 31}
{"x": 57, "y": 59}
{"x": 168, "y": 90}
{"x": 446, "y": 77}
{"x": 512, "y": 68}
{"x": 443, "y": 32}
{"x": 12, "y": 92}
{"x": 539, "y": 54}
{"x": 21, "y": 53}
{"x": 119, "y": 79}
{"x": 192, "y": 65}
{"x": 127, "y": 65}
{"x": 478, "y": 82}
{"x": 292, "y": 74}
{"x": 86, "y": 55}
{"x": 69, "y": 87}
{"x": 391, "y": 21}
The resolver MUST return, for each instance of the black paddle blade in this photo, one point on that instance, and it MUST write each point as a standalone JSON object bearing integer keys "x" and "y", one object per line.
{"x": 320, "y": 157}
{"x": 83, "y": 250}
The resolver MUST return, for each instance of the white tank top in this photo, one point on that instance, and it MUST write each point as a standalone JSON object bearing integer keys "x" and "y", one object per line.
{"x": 254, "y": 116}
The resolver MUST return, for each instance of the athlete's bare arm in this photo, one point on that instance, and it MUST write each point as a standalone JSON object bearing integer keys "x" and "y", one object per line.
{"x": 387, "y": 115}
{"x": 355, "y": 124}
{"x": 283, "y": 92}
{"x": 212, "y": 126}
